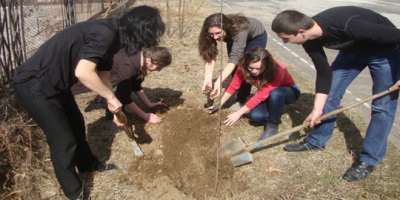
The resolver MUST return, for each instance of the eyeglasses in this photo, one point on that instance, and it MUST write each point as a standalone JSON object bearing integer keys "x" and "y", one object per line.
{"x": 216, "y": 34}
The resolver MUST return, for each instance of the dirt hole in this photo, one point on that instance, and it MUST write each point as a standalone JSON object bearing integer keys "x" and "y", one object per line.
{"x": 186, "y": 154}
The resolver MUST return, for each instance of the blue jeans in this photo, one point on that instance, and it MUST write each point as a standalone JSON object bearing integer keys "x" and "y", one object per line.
{"x": 245, "y": 88}
{"x": 272, "y": 108}
{"x": 384, "y": 69}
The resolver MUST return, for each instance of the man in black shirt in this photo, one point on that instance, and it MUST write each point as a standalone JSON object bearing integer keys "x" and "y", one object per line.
{"x": 363, "y": 38}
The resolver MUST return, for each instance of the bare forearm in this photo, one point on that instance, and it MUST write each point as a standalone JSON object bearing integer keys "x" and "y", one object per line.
{"x": 225, "y": 98}
{"x": 319, "y": 102}
{"x": 134, "y": 108}
{"x": 226, "y": 72}
{"x": 86, "y": 73}
{"x": 105, "y": 78}
{"x": 143, "y": 97}
{"x": 243, "y": 110}
{"x": 209, "y": 70}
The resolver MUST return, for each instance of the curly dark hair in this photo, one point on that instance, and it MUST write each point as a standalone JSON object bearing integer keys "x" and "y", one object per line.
{"x": 267, "y": 61}
{"x": 231, "y": 24}
{"x": 139, "y": 27}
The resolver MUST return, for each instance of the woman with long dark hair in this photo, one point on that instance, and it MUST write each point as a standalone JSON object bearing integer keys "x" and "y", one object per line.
{"x": 275, "y": 89}
{"x": 83, "y": 52}
{"x": 240, "y": 34}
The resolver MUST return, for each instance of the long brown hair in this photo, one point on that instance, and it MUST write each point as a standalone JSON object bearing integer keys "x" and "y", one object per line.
{"x": 256, "y": 54}
{"x": 159, "y": 56}
{"x": 231, "y": 24}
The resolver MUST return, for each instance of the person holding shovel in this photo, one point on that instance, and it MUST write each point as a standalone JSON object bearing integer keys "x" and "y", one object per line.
{"x": 275, "y": 89}
{"x": 83, "y": 52}
{"x": 130, "y": 71}
{"x": 363, "y": 38}
{"x": 240, "y": 34}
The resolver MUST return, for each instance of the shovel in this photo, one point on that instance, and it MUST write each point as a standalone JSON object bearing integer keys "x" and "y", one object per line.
{"x": 240, "y": 151}
{"x": 129, "y": 132}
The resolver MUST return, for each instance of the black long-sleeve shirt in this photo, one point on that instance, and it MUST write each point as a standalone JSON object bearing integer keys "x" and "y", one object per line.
{"x": 348, "y": 28}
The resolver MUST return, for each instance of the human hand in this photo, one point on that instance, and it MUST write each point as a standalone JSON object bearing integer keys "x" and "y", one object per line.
{"x": 213, "y": 109}
{"x": 114, "y": 105}
{"x": 396, "y": 86}
{"x": 120, "y": 119}
{"x": 152, "y": 118}
{"x": 207, "y": 86}
{"x": 216, "y": 92}
{"x": 312, "y": 117}
{"x": 232, "y": 118}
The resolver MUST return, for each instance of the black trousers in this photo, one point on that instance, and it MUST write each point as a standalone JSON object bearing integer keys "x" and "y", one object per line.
{"x": 64, "y": 127}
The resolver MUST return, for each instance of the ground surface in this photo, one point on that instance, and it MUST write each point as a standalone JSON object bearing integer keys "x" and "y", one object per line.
{"x": 180, "y": 153}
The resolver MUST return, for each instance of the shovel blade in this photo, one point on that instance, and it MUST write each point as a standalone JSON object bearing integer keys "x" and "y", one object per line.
{"x": 234, "y": 146}
{"x": 136, "y": 149}
{"x": 242, "y": 159}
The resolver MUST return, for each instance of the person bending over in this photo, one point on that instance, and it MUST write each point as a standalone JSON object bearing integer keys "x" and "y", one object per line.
{"x": 275, "y": 89}
{"x": 240, "y": 34}
{"x": 130, "y": 71}
{"x": 83, "y": 52}
{"x": 363, "y": 38}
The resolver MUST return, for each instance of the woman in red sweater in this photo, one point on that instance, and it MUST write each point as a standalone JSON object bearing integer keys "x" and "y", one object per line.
{"x": 275, "y": 89}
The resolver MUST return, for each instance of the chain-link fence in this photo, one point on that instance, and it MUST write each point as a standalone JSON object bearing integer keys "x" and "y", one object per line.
{"x": 44, "y": 18}
{"x": 27, "y": 24}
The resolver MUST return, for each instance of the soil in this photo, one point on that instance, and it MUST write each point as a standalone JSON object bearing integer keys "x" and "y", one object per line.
{"x": 180, "y": 153}
{"x": 187, "y": 156}
{"x": 182, "y": 156}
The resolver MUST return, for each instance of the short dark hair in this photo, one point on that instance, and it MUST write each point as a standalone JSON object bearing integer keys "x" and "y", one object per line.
{"x": 140, "y": 27}
{"x": 160, "y": 56}
{"x": 290, "y": 22}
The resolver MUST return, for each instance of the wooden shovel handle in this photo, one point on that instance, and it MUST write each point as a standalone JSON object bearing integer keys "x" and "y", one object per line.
{"x": 126, "y": 128}
{"x": 265, "y": 142}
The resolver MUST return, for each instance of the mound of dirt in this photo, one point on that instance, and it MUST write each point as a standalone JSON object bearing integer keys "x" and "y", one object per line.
{"x": 186, "y": 155}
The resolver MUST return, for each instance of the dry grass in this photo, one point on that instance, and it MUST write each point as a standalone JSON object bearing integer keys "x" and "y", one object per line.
{"x": 274, "y": 174}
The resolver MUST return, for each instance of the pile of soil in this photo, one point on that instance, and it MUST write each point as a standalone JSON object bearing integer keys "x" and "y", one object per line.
{"x": 187, "y": 156}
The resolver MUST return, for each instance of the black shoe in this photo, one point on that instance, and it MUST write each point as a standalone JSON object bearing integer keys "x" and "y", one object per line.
{"x": 105, "y": 167}
{"x": 270, "y": 130}
{"x": 358, "y": 171}
{"x": 301, "y": 146}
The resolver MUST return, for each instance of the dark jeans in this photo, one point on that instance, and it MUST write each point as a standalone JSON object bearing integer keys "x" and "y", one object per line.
{"x": 272, "y": 108}
{"x": 64, "y": 127}
{"x": 245, "y": 88}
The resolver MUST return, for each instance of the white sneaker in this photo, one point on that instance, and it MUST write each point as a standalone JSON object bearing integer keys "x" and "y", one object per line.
{"x": 236, "y": 106}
